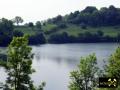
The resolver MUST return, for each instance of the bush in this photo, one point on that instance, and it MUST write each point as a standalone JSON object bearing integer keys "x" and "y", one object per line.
{"x": 37, "y": 39}
{"x": 59, "y": 38}
{"x": 18, "y": 33}
{"x": 83, "y": 26}
{"x": 62, "y": 26}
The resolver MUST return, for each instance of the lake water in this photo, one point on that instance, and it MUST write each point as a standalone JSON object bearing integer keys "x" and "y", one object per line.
{"x": 54, "y": 62}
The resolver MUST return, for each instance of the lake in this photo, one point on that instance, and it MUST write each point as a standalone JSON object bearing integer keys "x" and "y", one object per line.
{"x": 54, "y": 62}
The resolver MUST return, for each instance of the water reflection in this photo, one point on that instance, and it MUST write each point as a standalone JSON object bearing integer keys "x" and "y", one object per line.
{"x": 70, "y": 54}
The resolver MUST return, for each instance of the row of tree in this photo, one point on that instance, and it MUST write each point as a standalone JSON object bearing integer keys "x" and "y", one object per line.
{"x": 86, "y": 37}
{"x": 91, "y": 16}
{"x": 17, "y": 20}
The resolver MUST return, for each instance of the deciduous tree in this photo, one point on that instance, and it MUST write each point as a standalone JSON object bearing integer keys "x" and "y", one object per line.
{"x": 19, "y": 65}
{"x": 18, "y": 20}
{"x": 113, "y": 67}
{"x": 84, "y": 77}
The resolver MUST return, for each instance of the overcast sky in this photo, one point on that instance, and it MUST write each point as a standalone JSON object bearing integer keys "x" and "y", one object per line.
{"x": 34, "y": 10}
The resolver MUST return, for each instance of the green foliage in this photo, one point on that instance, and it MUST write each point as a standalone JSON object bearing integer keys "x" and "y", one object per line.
{"x": 113, "y": 67}
{"x": 90, "y": 19}
{"x": 19, "y": 64}
{"x": 39, "y": 38}
{"x": 17, "y": 33}
{"x": 91, "y": 16}
{"x": 83, "y": 26}
{"x": 62, "y": 26}
{"x": 74, "y": 30}
{"x": 48, "y": 27}
{"x": 100, "y": 33}
{"x": 56, "y": 20}
{"x": 26, "y": 30}
{"x": 84, "y": 77}
{"x": 31, "y": 25}
{"x": 59, "y": 38}
{"x": 89, "y": 9}
{"x": 6, "y": 31}
{"x": 38, "y": 25}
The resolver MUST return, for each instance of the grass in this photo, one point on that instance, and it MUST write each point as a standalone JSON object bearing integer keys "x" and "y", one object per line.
{"x": 73, "y": 30}
{"x": 27, "y": 30}
{"x": 48, "y": 27}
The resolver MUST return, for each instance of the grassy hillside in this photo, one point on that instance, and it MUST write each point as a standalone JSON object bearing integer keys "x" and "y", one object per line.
{"x": 26, "y": 30}
{"x": 73, "y": 30}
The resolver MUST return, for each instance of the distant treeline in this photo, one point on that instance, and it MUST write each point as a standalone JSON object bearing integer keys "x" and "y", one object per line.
{"x": 91, "y": 16}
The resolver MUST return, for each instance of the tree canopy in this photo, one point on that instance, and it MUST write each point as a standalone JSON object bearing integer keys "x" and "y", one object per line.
{"x": 85, "y": 77}
{"x": 91, "y": 16}
{"x": 113, "y": 67}
{"x": 6, "y": 31}
{"x": 18, "y": 20}
{"x": 19, "y": 65}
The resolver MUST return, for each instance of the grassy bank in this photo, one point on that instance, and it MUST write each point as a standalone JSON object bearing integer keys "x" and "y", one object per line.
{"x": 73, "y": 30}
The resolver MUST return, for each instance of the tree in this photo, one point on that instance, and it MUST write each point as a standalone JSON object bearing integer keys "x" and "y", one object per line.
{"x": 57, "y": 19}
{"x": 59, "y": 38}
{"x": 6, "y": 31}
{"x": 18, "y": 20}
{"x": 89, "y": 9}
{"x": 83, "y": 26}
{"x": 84, "y": 77}
{"x": 17, "y": 33}
{"x": 61, "y": 26}
{"x": 100, "y": 33}
{"x": 39, "y": 38}
{"x": 6, "y": 27}
{"x": 31, "y": 25}
{"x": 113, "y": 67}
{"x": 19, "y": 65}
{"x": 90, "y": 16}
{"x": 38, "y": 25}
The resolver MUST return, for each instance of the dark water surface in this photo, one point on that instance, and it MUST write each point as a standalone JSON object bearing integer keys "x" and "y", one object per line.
{"x": 53, "y": 62}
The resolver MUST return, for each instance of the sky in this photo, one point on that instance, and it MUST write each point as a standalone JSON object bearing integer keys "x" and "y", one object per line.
{"x": 37, "y": 10}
